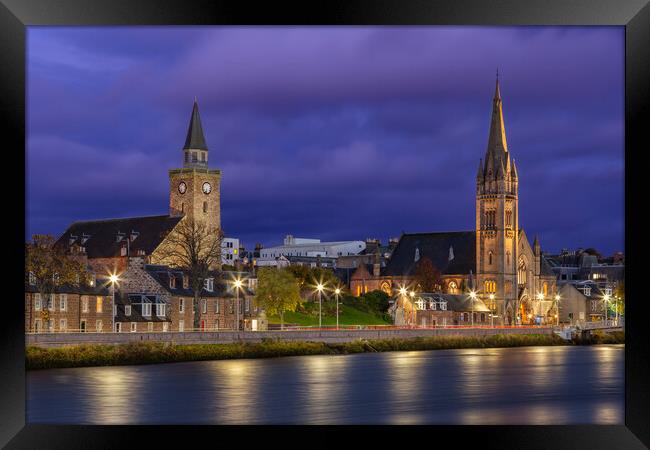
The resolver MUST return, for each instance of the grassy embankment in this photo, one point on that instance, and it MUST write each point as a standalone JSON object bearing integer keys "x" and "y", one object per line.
{"x": 347, "y": 316}
{"x": 151, "y": 353}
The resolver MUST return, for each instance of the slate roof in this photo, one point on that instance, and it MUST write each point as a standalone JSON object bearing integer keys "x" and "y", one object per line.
{"x": 458, "y": 302}
{"x": 136, "y": 312}
{"x": 195, "y": 139}
{"x": 102, "y": 241}
{"x": 71, "y": 289}
{"x": 162, "y": 275}
{"x": 546, "y": 269}
{"x": 435, "y": 246}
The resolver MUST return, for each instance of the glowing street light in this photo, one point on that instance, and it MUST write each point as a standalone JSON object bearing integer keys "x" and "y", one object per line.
{"x": 238, "y": 284}
{"x": 472, "y": 296}
{"x": 320, "y": 288}
{"x": 492, "y": 307}
{"x": 114, "y": 279}
{"x": 337, "y": 292}
{"x": 606, "y": 299}
{"x": 557, "y": 309}
{"x": 402, "y": 291}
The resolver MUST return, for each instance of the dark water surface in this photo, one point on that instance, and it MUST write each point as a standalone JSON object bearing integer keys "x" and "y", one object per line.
{"x": 525, "y": 385}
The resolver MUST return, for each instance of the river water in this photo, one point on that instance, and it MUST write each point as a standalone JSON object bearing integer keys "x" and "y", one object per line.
{"x": 524, "y": 385}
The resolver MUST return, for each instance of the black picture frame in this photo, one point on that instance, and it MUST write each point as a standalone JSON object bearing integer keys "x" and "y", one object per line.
{"x": 15, "y": 15}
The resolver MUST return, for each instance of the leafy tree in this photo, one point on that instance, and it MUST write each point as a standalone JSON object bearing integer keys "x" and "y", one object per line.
{"x": 48, "y": 267}
{"x": 277, "y": 291}
{"x": 196, "y": 249}
{"x": 428, "y": 276}
{"x": 308, "y": 277}
{"x": 620, "y": 293}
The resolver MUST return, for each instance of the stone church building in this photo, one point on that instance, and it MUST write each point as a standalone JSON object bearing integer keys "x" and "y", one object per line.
{"x": 496, "y": 258}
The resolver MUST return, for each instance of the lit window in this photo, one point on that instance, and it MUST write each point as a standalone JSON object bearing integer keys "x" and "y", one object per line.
{"x": 216, "y": 306}
{"x": 99, "y": 326}
{"x": 99, "y": 305}
{"x": 63, "y": 302}
{"x": 204, "y": 306}
{"x": 165, "y": 327}
{"x": 160, "y": 309}
{"x": 146, "y": 309}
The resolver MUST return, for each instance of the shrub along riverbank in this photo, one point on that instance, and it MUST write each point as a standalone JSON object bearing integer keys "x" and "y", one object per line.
{"x": 151, "y": 353}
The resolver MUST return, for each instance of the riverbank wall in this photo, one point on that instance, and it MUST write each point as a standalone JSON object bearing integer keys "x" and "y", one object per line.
{"x": 48, "y": 340}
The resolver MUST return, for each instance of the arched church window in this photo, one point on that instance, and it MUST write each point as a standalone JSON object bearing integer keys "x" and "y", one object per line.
{"x": 205, "y": 207}
{"x": 508, "y": 258}
{"x": 490, "y": 286}
{"x": 545, "y": 288}
{"x": 490, "y": 258}
{"x": 522, "y": 273}
{"x": 452, "y": 287}
{"x": 182, "y": 207}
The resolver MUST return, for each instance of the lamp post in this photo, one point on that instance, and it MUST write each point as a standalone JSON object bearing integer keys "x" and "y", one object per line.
{"x": 606, "y": 298}
{"x": 557, "y": 310}
{"x": 337, "y": 291}
{"x": 540, "y": 297}
{"x": 472, "y": 296}
{"x": 412, "y": 294}
{"x": 492, "y": 309}
{"x": 238, "y": 284}
{"x": 113, "y": 279}
{"x": 319, "y": 288}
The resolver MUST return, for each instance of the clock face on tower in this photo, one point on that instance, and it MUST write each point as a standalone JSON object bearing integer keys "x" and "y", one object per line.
{"x": 182, "y": 187}
{"x": 207, "y": 188}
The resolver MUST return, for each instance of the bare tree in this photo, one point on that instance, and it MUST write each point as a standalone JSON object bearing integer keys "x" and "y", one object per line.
{"x": 196, "y": 249}
{"x": 48, "y": 267}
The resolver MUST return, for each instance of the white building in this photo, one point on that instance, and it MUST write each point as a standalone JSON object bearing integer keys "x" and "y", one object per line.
{"x": 308, "y": 248}
{"x": 229, "y": 251}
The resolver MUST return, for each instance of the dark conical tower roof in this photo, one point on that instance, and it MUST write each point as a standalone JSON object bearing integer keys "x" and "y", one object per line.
{"x": 195, "y": 139}
{"x": 496, "y": 154}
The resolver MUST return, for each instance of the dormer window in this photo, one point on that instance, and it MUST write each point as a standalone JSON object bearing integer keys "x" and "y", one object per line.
{"x": 587, "y": 291}
{"x": 134, "y": 234}
{"x": 72, "y": 239}
{"x": 32, "y": 278}
{"x": 146, "y": 309}
{"x": 123, "y": 250}
{"x": 209, "y": 284}
{"x": 84, "y": 238}
{"x": 172, "y": 282}
{"x": 127, "y": 310}
{"x": 186, "y": 281}
{"x": 140, "y": 252}
{"x": 119, "y": 237}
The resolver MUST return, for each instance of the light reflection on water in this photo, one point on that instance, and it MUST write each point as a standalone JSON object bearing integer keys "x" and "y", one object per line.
{"x": 526, "y": 385}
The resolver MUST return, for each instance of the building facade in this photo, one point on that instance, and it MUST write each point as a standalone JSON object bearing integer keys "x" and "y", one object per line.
{"x": 309, "y": 248}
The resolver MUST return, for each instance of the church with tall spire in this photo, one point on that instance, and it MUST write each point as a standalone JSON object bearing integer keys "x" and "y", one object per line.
{"x": 495, "y": 260}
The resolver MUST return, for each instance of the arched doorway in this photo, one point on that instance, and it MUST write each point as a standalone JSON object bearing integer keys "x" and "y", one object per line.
{"x": 526, "y": 312}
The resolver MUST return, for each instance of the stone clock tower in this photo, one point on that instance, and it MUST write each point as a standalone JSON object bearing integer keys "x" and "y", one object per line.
{"x": 194, "y": 190}
{"x": 497, "y": 219}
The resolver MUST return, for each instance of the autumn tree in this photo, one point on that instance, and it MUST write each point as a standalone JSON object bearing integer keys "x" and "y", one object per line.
{"x": 428, "y": 276}
{"x": 277, "y": 291}
{"x": 48, "y": 268}
{"x": 194, "y": 248}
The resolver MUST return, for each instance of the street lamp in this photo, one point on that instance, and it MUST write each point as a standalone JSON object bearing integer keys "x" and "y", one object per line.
{"x": 113, "y": 279}
{"x": 606, "y": 298}
{"x": 557, "y": 309}
{"x": 540, "y": 297}
{"x": 320, "y": 288}
{"x": 472, "y": 296}
{"x": 337, "y": 292}
{"x": 492, "y": 307}
{"x": 238, "y": 284}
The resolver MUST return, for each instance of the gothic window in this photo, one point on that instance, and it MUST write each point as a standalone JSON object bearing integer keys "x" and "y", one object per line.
{"x": 509, "y": 219}
{"x": 194, "y": 158}
{"x": 545, "y": 288}
{"x": 490, "y": 258}
{"x": 521, "y": 273}
{"x": 205, "y": 207}
{"x": 508, "y": 258}
{"x": 182, "y": 207}
{"x": 452, "y": 287}
{"x": 490, "y": 286}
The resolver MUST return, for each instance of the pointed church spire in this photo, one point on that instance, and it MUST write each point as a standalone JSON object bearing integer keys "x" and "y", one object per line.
{"x": 497, "y": 140}
{"x": 514, "y": 169}
{"x": 195, "y": 139}
{"x": 479, "y": 174}
{"x": 536, "y": 246}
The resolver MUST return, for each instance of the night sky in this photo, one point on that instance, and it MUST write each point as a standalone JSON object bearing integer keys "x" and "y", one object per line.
{"x": 329, "y": 132}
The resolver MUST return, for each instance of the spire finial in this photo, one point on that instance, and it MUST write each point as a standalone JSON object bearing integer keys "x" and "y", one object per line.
{"x": 195, "y": 95}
